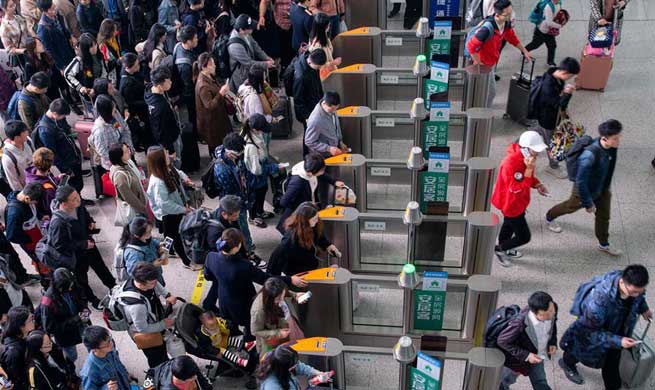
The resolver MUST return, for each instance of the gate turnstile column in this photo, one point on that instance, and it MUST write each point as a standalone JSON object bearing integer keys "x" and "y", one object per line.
{"x": 477, "y": 86}
{"x": 477, "y": 134}
{"x": 483, "y": 369}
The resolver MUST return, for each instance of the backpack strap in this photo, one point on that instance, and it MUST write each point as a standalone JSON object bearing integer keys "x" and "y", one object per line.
{"x": 12, "y": 157}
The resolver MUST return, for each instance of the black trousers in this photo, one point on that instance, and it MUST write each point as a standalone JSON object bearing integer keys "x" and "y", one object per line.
{"x": 305, "y": 149}
{"x": 538, "y": 39}
{"x": 286, "y": 52}
{"x": 156, "y": 355}
{"x": 610, "y": 369}
{"x": 514, "y": 233}
{"x": 257, "y": 208}
{"x": 91, "y": 258}
{"x": 170, "y": 225}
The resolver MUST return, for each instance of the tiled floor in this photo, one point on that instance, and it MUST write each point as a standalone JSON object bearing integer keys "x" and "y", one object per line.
{"x": 556, "y": 263}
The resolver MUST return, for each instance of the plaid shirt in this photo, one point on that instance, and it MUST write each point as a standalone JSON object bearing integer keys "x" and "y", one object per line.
{"x": 104, "y": 135}
{"x": 281, "y": 10}
{"x": 14, "y": 32}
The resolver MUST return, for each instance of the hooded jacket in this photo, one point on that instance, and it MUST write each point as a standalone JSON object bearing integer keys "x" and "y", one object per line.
{"x": 23, "y": 225}
{"x": 603, "y": 319}
{"x": 301, "y": 188}
{"x": 161, "y": 378}
{"x": 512, "y": 190}
{"x": 164, "y": 122}
{"x": 13, "y": 361}
{"x": 60, "y": 313}
{"x": 49, "y": 184}
{"x": 488, "y": 46}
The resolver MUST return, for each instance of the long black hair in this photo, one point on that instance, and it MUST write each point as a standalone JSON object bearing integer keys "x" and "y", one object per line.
{"x": 135, "y": 229}
{"x": 272, "y": 288}
{"x": 34, "y": 343}
{"x": 85, "y": 44}
{"x": 16, "y": 319}
{"x": 278, "y": 362}
{"x": 319, "y": 29}
{"x": 157, "y": 31}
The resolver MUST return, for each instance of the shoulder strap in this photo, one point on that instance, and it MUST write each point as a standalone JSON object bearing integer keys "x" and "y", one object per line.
{"x": 135, "y": 247}
{"x": 33, "y": 383}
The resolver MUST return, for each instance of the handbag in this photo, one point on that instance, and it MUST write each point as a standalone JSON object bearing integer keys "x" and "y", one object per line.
{"x": 564, "y": 136}
{"x": 124, "y": 213}
{"x": 195, "y": 196}
{"x": 148, "y": 340}
{"x": 601, "y": 36}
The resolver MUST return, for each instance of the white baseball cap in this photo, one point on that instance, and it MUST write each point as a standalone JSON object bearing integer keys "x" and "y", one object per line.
{"x": 532, "y": 140}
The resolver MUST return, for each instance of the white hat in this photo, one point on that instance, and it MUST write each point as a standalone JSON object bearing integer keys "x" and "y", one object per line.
{"x": 532, "y": 140}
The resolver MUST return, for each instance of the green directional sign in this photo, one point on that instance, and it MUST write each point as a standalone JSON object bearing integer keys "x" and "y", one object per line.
{"x": 434, "y": 182}
{"x": 430, "y": 301}
{"x": 419, "y": 380}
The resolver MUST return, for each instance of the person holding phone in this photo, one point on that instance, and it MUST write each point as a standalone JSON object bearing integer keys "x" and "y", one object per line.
{"x": 281, "y": 367}
{"x": 102, "y": 368}
{"x": 511, "y": 194}
{"x": 138, "y": 245}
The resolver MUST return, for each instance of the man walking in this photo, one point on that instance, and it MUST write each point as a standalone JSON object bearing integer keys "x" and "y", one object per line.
{"x": 607, "y": 308}
{"x": 512, "y": 194}
{"x": 592, "y": 181}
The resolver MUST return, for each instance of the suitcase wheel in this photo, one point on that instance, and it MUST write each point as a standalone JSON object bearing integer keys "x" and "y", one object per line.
{"x": 505, "y": 116}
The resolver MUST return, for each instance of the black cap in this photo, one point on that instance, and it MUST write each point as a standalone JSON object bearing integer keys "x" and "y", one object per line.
{"x": 259, "y": 122}
{"x": 245, "y": 22}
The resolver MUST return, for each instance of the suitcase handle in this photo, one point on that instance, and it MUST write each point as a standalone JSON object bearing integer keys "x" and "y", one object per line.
{"x": 650, "y": 321}
{"x": 523, "y": 58}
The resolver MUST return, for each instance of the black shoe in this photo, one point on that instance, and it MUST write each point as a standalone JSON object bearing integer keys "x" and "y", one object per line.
{"x": 86, "y": 172}
{"x": 88, "y": 202}
{"x": 572, "y": 374}
{"x": 257, "y": 261}
{"x": 266, "y": 215}
{"x": 496, "y": 77}
{"x": 652, "y": 163}
{"x": 257, "y": 221}
{"x": 97, "y": 306}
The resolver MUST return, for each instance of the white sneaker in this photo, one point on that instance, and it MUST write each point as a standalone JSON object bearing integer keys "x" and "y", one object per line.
{"x": 558, "y": 172}
{"x": 610, "y": 250}
{"x": 513, "y": 253}
{"x": 553, "y": 226}
{"x": 503, "y": 259}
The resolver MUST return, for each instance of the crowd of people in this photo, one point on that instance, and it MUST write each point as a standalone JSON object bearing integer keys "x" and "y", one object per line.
{"x": 123, "y": 78}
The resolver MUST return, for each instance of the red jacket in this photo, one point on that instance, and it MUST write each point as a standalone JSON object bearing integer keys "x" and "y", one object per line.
{"x": 512, "y": 191}
{"x": 488, "y": 48}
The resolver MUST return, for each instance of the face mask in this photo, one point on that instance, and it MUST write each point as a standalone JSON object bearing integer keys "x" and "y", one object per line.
{"x": 184, "y": 385}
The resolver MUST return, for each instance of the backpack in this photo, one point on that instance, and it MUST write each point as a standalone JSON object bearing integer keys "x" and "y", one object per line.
{"x": 36, "y": 140}
{"x": 485, "y": 23}
{"x": 537, "y": 14}
{"x": 288, "y": 75}
{"x": 49, "y": 255}
{"x": 582, "y": 293}
{"x": 176, "y": 80}
{"x": 474, "y": 14}
{"x": 581, "y": 144}
{"x": 193, "y": 231}
{"x": 12, "y": 108}
{"x": 209, "y": 184}
{"x": 497, "y": 323}
{"x": 113, "y": 313}
{"x": 239, "y": 104}
{"x": 221, "y": 55}
{"x": 120, "y": 269}
{"x": 533, "y": 97}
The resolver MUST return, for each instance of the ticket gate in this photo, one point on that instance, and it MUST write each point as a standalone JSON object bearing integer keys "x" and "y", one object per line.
{"x": 324, "y": 354}
{"x": 390, "y": 134}
{"x": 386, "y": 88}
{"x": 389, "y": 48}
{"x": 383, "y": 185}
{"x": 379, "y": 242}
{"x": 362, "y": 13}
{"x": 365, "y": 309}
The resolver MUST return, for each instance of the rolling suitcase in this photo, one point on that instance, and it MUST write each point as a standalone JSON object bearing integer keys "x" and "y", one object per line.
{"x": 519, "y": 91}
{"x": 84, "y": 125}
{"x": 637, "y": 363}
{"x": 284, "y": 126}
{"x": 595, "y": 69}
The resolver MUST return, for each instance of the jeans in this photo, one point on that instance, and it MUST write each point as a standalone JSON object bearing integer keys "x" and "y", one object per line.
{"x": 70, "y": 352}
{"x": 335, "y": 22}
{"x": 574, "y": 203}
{"x": 537, "y": 376}
{"x": 610, "y": 369}
{"x": 243, "y": 225}
{"x": 538, "y": 39}
{"x": 514, "y": 233}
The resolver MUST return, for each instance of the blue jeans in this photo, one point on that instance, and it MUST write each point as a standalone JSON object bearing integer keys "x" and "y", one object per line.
{"x": 335, "y": 22}
{"x": 70, "y": 352}
{"x": 243, "y": 225}
{"x": 537, "y": 376}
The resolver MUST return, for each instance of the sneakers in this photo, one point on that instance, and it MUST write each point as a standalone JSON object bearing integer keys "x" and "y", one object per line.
{"x": 31, "y": 280}
{"x": 572, "y": 374}
{"x": 610, "y": 250}
{"x": 513, "y": 253}
{"x": 97, "y": 306}
{"x": 503, "y": 259}
{"x": 256, "y": 260}
{"x": 257, "y": 222}
{"x": 193, "y": 267}
{"x": 266, "y": 215}
{"x": 558, "y": 172}
{"x": 553, "y": 226}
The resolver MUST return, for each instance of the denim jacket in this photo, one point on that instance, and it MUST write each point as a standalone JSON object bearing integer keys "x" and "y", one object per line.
{"x": 595, "y": 170}
{"x": 96, "y": 372}
{"x": 302, "y": 369}
{"x": 146, "y": 252}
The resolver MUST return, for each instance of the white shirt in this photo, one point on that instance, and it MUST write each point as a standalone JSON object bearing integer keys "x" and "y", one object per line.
{"x": 542, "y": 329}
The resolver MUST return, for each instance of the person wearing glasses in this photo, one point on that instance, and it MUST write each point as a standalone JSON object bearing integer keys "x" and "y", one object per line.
{"x": 20, "y": 322}
{"x": 103, "y": 368}
{"x": 47, "y": 366}
{"x": 485, "y": 45}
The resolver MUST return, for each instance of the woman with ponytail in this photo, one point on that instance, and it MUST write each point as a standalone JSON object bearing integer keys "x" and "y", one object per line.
{"x": 280, "y": 368}
{"x": 235, "y": 275}
{"x": 212, "y": 119}
{"x": 138, "y": 245}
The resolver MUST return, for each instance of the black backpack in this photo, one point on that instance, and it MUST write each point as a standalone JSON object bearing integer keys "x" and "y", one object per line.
{"x": 580, "y": 145}
{"x": 193, "y": 231}
{"x": 209, "y": 184}
{"x": 222, "y": 56}
{"x": 533, "y": 97}
{"x": 497, "y": 323}
{"x": 288, "y": 76}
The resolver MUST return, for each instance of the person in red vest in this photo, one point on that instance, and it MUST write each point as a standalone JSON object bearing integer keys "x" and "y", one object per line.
{"x": 512, "y": 194}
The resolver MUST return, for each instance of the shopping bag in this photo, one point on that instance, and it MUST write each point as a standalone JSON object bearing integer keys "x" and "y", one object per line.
{"x": 565, "y": 135}
{"x": 638, "y": 362}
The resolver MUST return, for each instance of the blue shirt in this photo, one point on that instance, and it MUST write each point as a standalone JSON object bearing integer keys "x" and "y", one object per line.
{"x": 96, "y": 372}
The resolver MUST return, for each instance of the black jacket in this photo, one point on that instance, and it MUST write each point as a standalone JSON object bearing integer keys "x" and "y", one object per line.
{"x": 89, "y": 17}
{"x": 67, "y": 241}
{"x": 59, "y": 320}
{"x": 235, "y": 276}
{"x": 215, "y": 231}
{"x": 13, "y": 361}
{"x": 162, "y": 377}
{"x": 551, "y": 100}
{"x": 54, "y": 135}
{"x": 298, "y": 191}
{"x": 307, "y": 88}
{"x": 43, "y": 376}
{"x": 163, "y": 120}
{"x": 291, "y": 258}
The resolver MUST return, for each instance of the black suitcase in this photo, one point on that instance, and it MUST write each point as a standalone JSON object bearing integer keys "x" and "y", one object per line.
{"x": 97, "y": 173}
{"x": 282, "y": 110}
{"x": 519, "y": 92}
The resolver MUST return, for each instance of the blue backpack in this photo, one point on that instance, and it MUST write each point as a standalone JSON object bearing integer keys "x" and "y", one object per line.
{"x": 486, "y": 23}
{"x": 537, "y": 14}
{"x": 12, "y": 108}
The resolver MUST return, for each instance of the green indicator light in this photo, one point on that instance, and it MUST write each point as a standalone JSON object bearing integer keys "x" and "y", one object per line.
{"x": 409, "y": 268}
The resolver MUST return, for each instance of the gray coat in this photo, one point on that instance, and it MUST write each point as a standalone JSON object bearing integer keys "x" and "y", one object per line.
{"x": 140, "y": 316}
{"x": 242, "y": 58}
{"x": 323, "y": 131}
